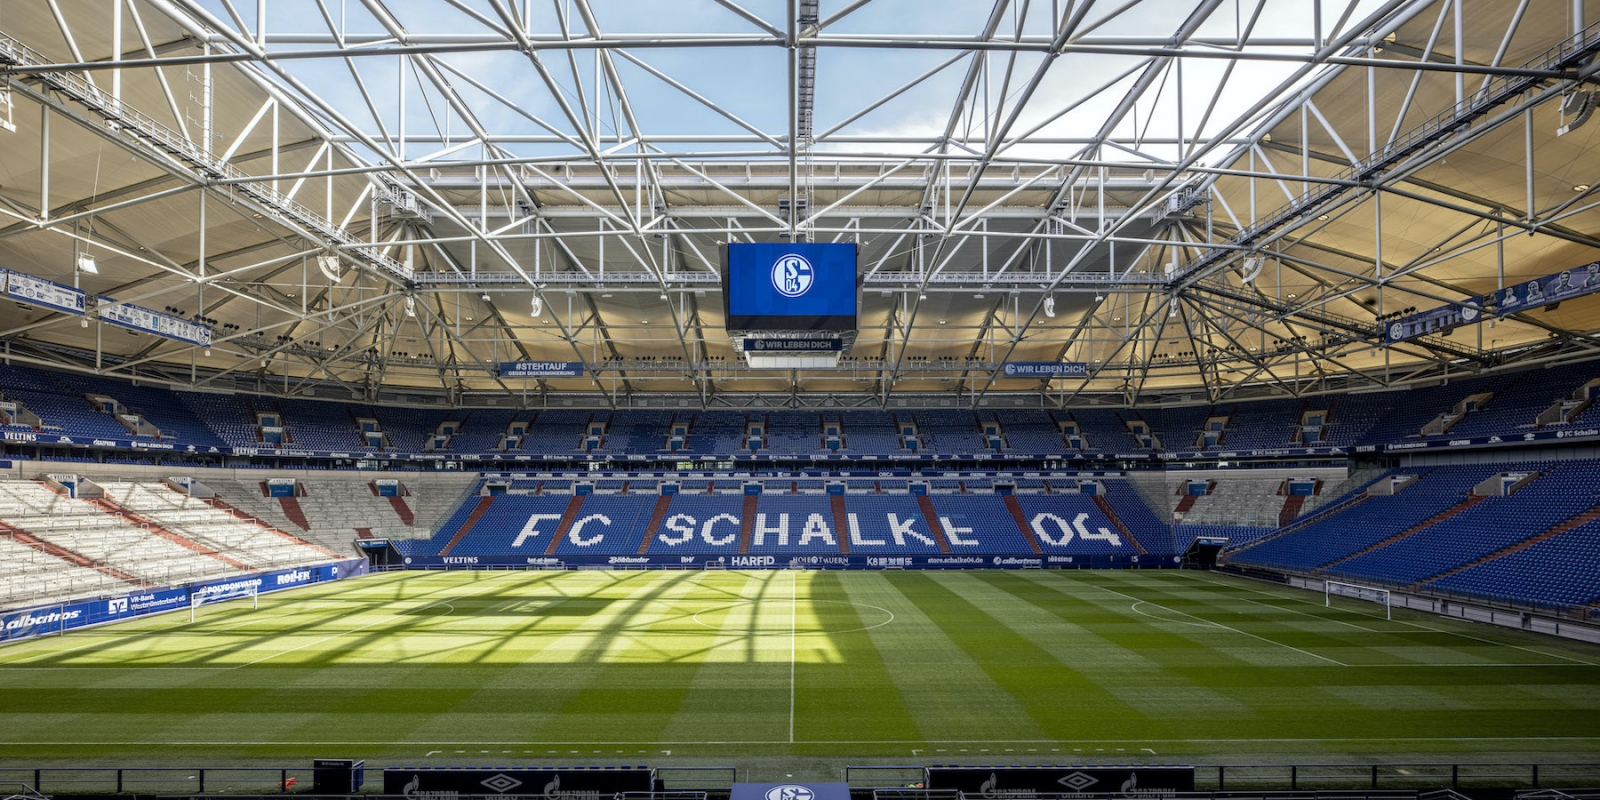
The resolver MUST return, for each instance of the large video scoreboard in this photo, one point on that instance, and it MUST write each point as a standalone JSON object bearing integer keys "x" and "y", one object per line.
{"x": 789, "y": 286}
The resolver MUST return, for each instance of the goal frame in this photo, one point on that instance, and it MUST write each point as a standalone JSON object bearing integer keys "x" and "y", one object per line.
{"x": 1360, "y": 593}
{"x": 196, "y": 600}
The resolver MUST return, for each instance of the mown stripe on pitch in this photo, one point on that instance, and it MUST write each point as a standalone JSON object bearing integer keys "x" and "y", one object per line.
{"x": 1412, "y": 634}
{"x": 845, "y": 689}
{"x": 203, "y": 645}
{"x": 1374, "y": 702}
{"x": 1060, "y": 700}
{"x": 518, "y": 660}
{"x": 948, "y": 693}
{"x": 1139, "y": 678}
{"x": 1174, "y": 641}
{"x": 1345, "y": 643}
{"x": 247, "y": 703}
{"x": 599, "y": 692}
{"x": 739, "y": 687}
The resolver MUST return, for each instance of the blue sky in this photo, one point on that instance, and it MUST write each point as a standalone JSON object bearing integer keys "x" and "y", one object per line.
{"x": 750, "y": 81}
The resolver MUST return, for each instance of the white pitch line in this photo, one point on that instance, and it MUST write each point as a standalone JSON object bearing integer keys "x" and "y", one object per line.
{"x": 794, "y": 601}
{"x": 1414, "y": 625}
{"x": 812, "y": 741}
{"x": 1224, "y": 627}
{"x": 1313, "y": 616}
{"x": 1135, "y": 609}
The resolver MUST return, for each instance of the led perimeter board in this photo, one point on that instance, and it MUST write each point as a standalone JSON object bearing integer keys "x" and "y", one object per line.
{"x": 789, "y": 287}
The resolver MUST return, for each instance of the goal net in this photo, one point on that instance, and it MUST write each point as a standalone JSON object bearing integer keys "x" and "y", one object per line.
{"x": 1370, "y": 594}
{"x": 222, "y": 593}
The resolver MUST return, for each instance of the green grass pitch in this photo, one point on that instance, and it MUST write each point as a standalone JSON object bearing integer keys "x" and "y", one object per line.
{"x": 810, "y": 667}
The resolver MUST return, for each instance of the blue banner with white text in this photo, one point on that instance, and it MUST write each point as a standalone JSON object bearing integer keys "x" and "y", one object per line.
{"x": 61, "y": 617}
{"x": 1045, "y": 369}
{"x": 541, "y": 369}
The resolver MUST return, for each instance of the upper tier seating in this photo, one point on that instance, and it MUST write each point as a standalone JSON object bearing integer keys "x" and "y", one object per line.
{"x": 1105, "y": 430}
{"x": 1029, "y": 431}
{"x": 950, "y": 432}
{"x": 206, "y": 421}
{"x": 793, "y": 433}
{"x": 713, "y": 432}
{"x": 870, "y": 432}
{"x": 558, "y": 431}
{"x": 482, "y": 430}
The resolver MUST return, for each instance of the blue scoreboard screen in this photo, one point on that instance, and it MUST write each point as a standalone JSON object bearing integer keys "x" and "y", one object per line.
{"x": 789, "y": 287}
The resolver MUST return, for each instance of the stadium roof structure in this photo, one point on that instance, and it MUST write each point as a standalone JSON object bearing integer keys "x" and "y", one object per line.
{"x": 1200, "y": 199}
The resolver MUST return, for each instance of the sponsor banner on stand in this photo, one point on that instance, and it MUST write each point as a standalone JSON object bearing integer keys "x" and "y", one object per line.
{"x": 61, "y": 617}
{"x": 1558, "y": 434}
{"x": 796, "y": 561}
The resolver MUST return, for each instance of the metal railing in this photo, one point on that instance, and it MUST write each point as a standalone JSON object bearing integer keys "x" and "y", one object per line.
{"x": 679, "y": 783}
{"x": 1362, "y": 778}
{"x": 1426, "y": 781}
{"x": 904, "y": 281}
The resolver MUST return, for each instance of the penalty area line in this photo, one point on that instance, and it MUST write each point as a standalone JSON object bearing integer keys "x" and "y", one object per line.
{"x": 1457, "y": 634}
{"x": 1220, "y": 625}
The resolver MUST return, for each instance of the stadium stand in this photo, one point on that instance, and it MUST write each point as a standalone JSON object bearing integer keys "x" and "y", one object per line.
{"x": 255, "y": 545}
{"x": 1071, "y": 523}
{"x": 557, "y": 431}
{"x": 337, "y": 511}
{"x": 1431, "y": 533}
{"x": 32, "y": 572}
{"x": 950, "y": 432}
{"x": 1497, "y": 405}
{"x": 140, "y": 534}
{"x": 1435, "y": 493}
{"x": 88, "y": 534}
{"x": 1562, "y": 570}
{"x": 700, "y": 525}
